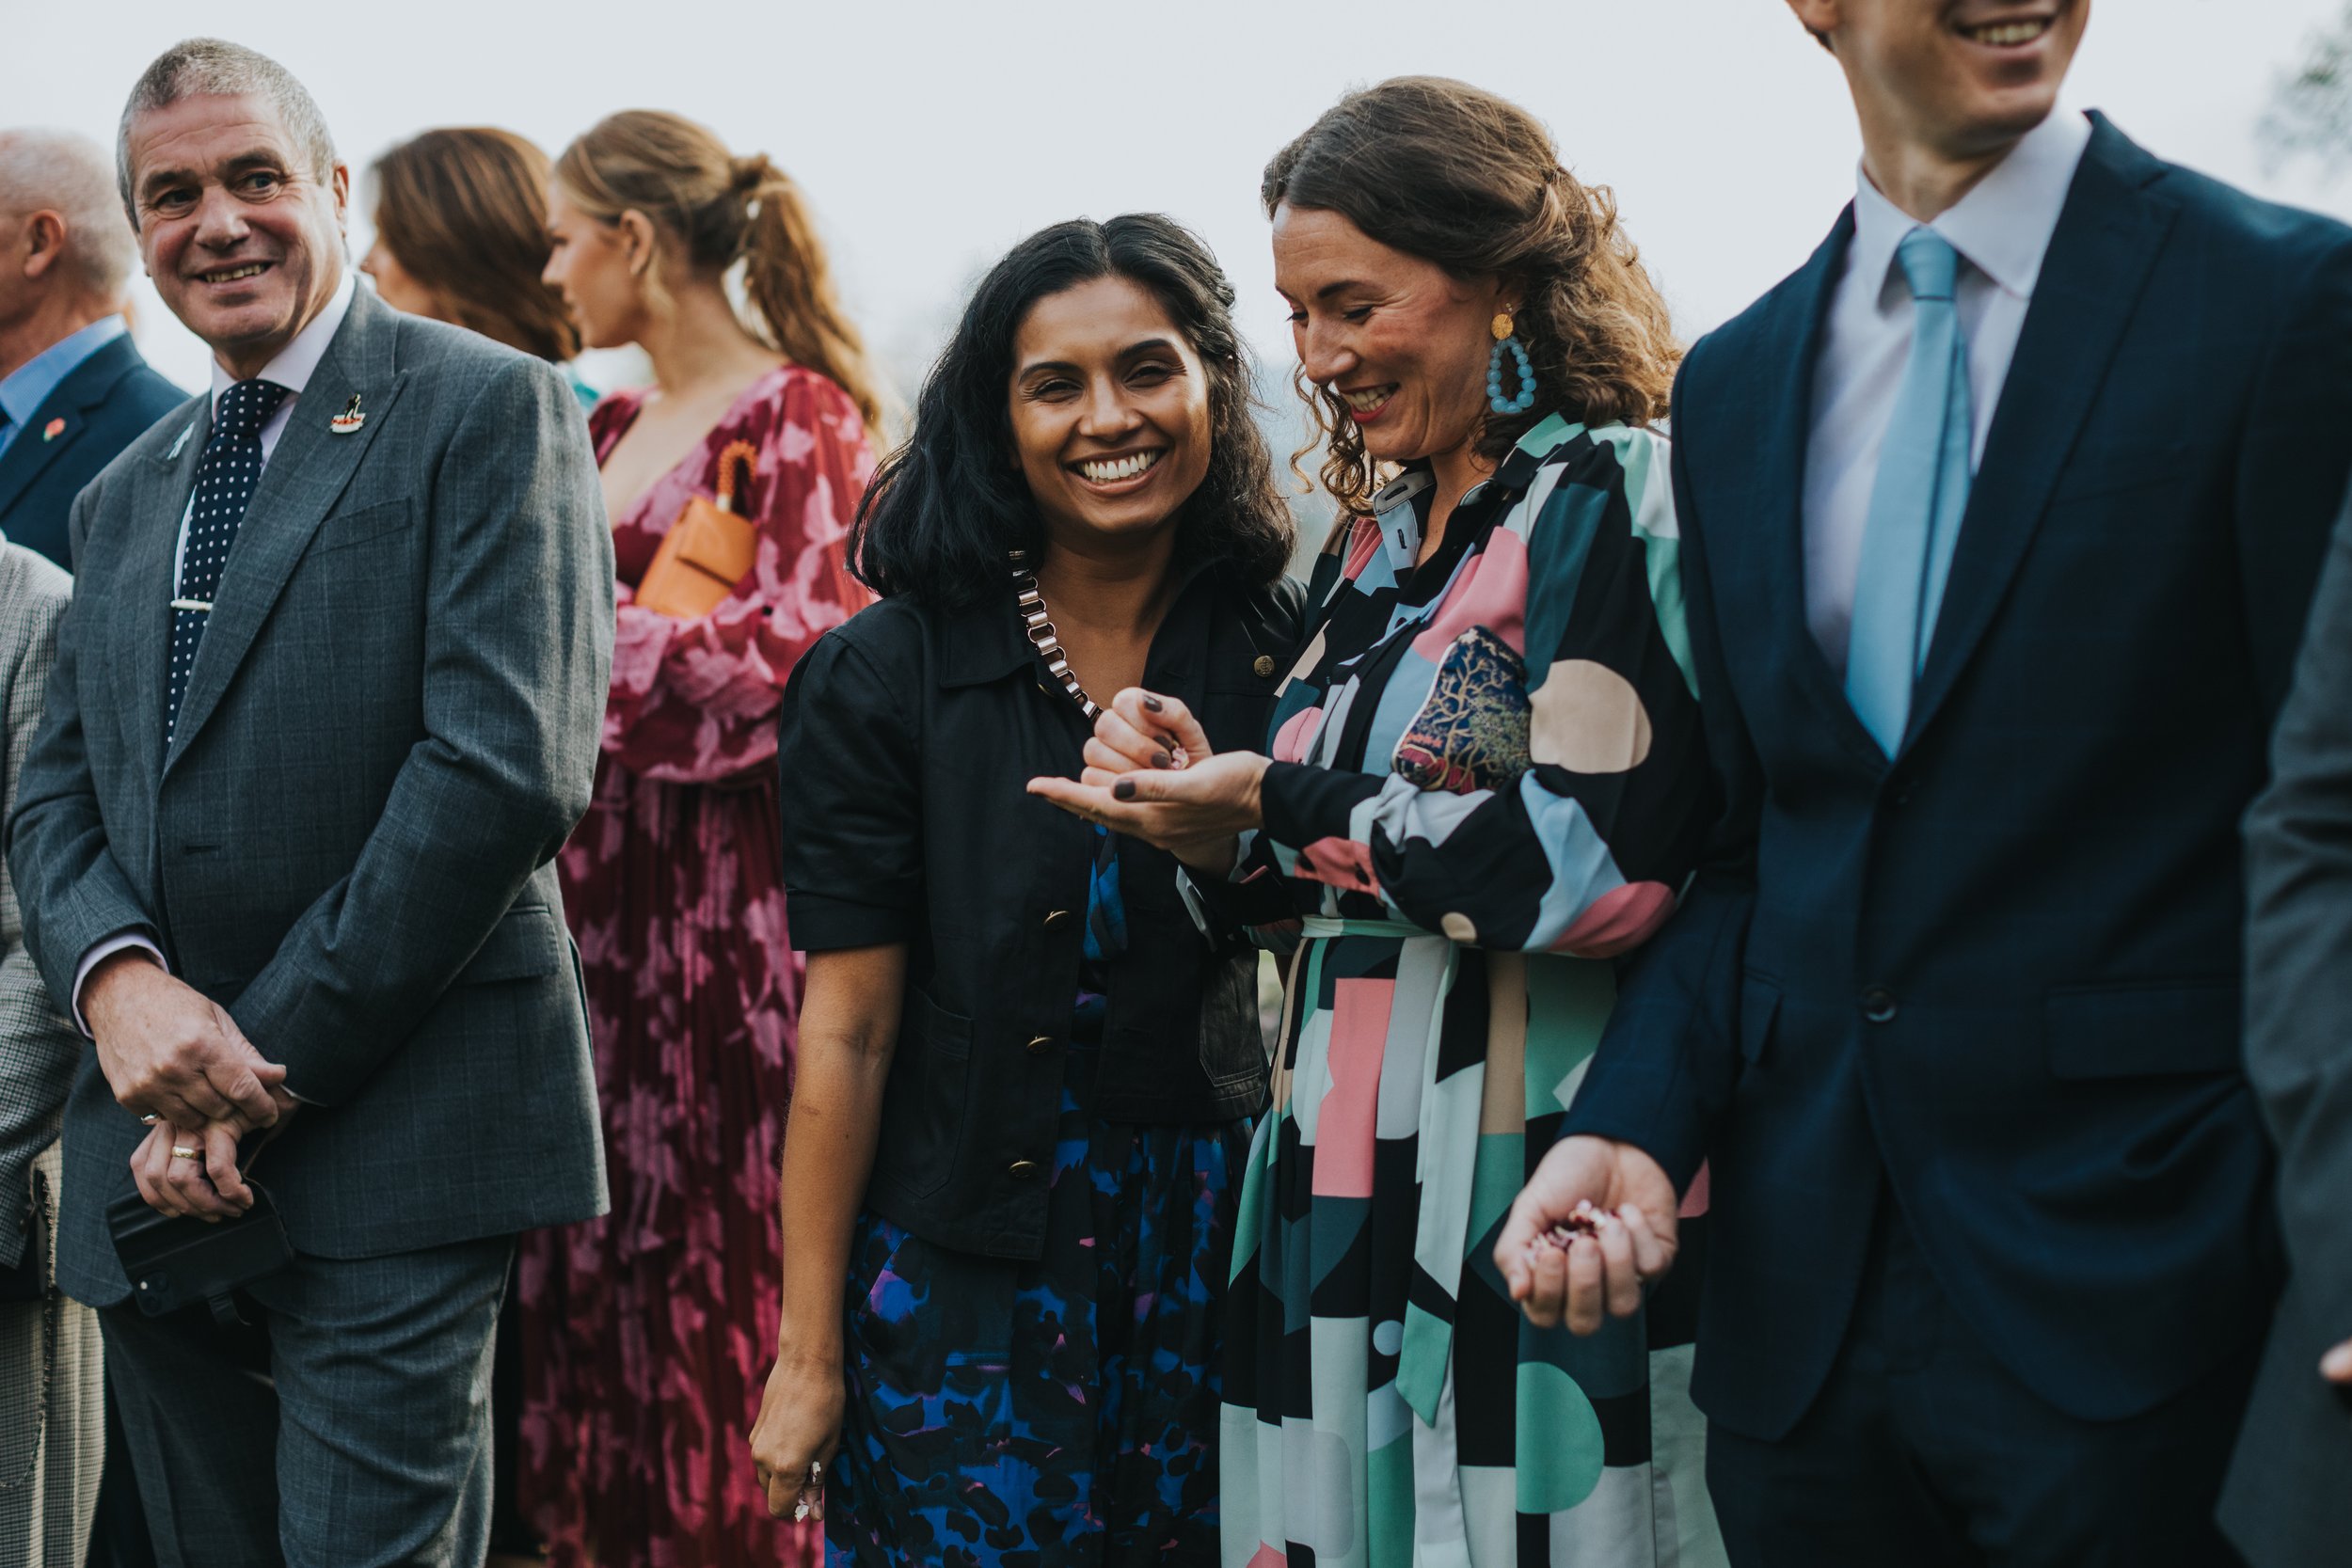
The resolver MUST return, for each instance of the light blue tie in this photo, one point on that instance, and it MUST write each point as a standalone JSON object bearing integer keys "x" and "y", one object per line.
{"x": 1916, "y": 505}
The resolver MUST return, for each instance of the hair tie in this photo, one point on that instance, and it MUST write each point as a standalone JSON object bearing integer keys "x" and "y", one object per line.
{"x": 750, "y": 173}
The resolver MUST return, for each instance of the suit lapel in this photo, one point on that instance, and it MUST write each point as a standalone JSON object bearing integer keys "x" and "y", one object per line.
{"x": 143, "y": 608}
{"x": 306, "y": 473}
{"x": 2100, "y": 257}
{"x": 1781, "y": 393}
{"x": 71, "y": 400}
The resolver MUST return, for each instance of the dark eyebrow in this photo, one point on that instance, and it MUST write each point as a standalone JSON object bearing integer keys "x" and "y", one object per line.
{"x": 1329, "y": 289}
{"x": 1146, "y": 345}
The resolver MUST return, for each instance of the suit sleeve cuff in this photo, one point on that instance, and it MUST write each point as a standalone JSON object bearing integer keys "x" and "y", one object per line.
{"x": 99, "y": 955}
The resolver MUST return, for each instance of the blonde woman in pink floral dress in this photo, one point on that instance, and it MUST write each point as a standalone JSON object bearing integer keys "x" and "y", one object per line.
{"x": 647, "y": 1334}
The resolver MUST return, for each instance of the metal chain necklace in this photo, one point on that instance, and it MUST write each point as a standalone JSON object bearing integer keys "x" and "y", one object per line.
{"x": 1039, "y": 626}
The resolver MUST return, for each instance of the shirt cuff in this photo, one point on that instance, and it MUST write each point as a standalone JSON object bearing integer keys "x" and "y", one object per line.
{"x": 99, "y": 955}
{"x": 1252, "y": 894}
{"x": 1302, "y": 805}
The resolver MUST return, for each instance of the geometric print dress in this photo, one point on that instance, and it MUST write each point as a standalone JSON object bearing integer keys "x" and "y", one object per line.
{"x": 1487, "y": 781}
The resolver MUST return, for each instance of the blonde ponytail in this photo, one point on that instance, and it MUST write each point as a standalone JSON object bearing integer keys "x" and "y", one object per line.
{"x": 790, "y": 284}
{"x": 719, "y": 209}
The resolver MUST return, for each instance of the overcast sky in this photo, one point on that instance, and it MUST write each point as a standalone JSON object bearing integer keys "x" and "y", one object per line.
{"x": 932, "y": 134}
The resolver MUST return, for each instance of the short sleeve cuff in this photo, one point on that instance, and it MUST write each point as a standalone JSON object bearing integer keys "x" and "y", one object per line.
{"x": 820, "y": 922}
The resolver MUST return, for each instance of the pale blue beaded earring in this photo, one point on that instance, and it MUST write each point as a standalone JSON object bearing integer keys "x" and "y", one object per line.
{"x": 1500, "y": 327}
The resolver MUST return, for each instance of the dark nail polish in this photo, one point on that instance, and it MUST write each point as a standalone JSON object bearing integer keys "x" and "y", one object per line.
{"x": 1150, "y": 703}
{"x": 1124, "y": 789}
{"x": 1162, "y": 760}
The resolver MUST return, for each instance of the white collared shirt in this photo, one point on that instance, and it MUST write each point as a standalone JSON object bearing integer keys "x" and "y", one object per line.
{"x": 2002, "y": 229}
{"x": 291, "y": 369}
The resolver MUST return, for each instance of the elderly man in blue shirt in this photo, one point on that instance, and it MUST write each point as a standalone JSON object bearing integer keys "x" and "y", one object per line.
{"x": 73, "y": 389}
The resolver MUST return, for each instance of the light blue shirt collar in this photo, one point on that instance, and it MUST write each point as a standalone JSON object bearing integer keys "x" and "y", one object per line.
{"x": 27, "y": 386}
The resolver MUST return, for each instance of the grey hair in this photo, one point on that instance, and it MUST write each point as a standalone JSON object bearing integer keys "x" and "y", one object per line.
{"x": 202, "y": 68}
{"x": 57, "y": 171}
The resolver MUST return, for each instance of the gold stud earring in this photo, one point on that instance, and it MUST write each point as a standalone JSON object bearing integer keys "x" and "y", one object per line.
{"x": 1500, "y": 326}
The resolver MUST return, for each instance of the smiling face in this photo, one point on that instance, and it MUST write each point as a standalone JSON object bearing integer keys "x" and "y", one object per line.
{"x": 1961, "y": 78}
{"x": 242, "y": 238}
{"x": 595, "y": 265}
{"x": 1401, "y": 339}
{"x": 1110, "y": 410}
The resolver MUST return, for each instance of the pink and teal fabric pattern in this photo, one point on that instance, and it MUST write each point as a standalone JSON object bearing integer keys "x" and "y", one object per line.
{"x": 1488, "y": 782}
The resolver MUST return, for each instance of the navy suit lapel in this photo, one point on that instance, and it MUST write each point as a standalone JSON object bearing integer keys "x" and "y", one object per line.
{"x": 307, "y": 472}
{"x": 71, "y": 400}
{"x": 1780, "y": 396}
{"x": 2100, "y": 257}
{"x": 143, "y": 607}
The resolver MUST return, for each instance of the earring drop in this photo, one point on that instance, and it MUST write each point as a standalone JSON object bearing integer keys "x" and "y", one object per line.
{"x": 1501, "y": 329}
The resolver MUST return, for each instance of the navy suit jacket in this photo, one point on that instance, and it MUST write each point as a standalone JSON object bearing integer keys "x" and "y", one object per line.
{"x": 108, "y": 402}
{"x": 1999, "y": 976}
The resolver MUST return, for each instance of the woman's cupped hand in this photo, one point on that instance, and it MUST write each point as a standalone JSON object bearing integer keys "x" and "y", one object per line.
{"x": 798, "y": 1431}
{"x": 1150, "y": 773}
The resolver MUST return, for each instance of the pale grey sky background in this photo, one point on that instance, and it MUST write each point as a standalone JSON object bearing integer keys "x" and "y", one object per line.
{"x": 931, "y": 133}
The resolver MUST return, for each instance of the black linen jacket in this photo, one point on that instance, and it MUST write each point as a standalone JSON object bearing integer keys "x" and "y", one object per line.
{"x": 909, "y": 736}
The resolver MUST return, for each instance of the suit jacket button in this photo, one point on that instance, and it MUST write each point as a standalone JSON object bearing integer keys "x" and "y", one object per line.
{"x": 1877, "y": 1005}
{"x": 1025, "y": 1170}
{"x": 1264, "y": 667}
{"x": 1054, "y": 919}
{"x": 1040, "y": 1045}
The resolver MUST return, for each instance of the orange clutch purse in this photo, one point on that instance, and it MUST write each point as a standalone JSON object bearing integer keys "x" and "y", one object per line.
{"x": 708, "y": 550}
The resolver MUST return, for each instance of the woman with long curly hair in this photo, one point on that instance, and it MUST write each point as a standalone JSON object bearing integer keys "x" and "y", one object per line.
{"x": 1484, "y": 781}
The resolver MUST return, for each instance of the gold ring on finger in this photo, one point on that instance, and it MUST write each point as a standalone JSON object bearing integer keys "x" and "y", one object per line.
{"x": 182, "y": 1151}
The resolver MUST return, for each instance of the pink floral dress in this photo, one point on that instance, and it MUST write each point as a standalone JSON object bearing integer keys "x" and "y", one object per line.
{"x": 647, "y": 1334}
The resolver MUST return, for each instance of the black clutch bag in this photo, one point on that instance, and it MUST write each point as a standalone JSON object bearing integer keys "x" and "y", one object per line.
{"x": 174, "y": 1261}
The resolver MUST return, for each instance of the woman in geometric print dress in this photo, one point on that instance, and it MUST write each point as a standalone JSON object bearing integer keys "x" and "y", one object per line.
{"x": 647, "y": 1331}
{"x": 1486, "y": 780}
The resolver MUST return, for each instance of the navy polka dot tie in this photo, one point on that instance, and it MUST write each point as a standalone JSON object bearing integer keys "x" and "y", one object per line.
{"x": 225, "y": 477}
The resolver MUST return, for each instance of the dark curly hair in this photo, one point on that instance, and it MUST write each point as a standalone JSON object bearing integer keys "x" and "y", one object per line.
{"x": 945, "y": 508}
{"x": 1454, "y": 174}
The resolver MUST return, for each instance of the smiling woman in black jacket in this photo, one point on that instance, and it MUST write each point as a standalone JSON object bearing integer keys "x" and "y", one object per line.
{"x": 1026, "y": 1071}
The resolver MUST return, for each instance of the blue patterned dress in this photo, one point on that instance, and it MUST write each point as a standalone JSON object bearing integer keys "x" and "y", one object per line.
{"x": 1060, "y": 1412}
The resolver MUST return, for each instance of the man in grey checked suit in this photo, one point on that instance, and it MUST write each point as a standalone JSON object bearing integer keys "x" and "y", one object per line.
{"x": 2287, "y": 1505}
{"x": 325, "y": 705}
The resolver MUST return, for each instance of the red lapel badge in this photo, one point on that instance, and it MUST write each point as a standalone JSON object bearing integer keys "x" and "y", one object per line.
{"x": 349, "y": 419}
{"x": 54, "y": 428}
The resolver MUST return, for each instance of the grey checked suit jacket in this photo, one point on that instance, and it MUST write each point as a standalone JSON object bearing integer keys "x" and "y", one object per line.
{"x": 390, "y": 727}
{"x": 39, "y": 1048}
{"x": 2289, "y": 1499}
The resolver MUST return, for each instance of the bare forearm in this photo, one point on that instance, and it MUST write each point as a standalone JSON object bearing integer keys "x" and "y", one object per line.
{"x": 849, "y": 1030}
{"x": 828, "y": 1153}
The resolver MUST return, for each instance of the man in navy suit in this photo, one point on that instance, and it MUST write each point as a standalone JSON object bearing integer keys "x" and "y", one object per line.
{"x": 73, "y": 389}
{"x": 2000, "y": 522}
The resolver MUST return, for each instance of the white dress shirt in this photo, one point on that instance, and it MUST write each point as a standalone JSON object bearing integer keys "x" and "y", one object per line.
{"x": 2002, "y": 231}
{"x": 293, "y": 369}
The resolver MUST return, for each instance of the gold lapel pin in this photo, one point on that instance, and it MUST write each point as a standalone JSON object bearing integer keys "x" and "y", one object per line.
{"x": 349, "y": 419}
